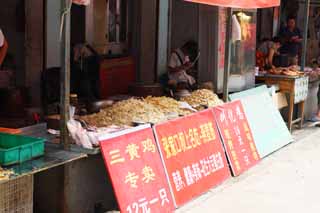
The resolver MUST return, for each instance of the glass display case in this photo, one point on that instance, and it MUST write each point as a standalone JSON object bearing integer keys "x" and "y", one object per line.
{"x": 243, "y": 50}
{"x": 243, "y": 42}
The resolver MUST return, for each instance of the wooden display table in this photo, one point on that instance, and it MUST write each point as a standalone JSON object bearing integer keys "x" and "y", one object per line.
{"x": 297, "y": 89}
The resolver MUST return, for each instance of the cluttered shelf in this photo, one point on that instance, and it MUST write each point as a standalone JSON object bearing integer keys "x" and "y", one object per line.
{"x": 53, "y": 157}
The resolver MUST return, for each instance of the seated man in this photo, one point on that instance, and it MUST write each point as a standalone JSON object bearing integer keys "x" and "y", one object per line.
{"x": 291, "y": 38}
{"x": 180, "y": 64}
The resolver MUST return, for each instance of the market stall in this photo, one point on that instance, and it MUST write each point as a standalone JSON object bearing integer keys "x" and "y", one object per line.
{"x": 178, "y": 119}
{"x": 114, "y": 121}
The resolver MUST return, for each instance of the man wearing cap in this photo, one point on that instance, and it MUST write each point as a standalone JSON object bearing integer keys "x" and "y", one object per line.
{"x": 3, "y": 47}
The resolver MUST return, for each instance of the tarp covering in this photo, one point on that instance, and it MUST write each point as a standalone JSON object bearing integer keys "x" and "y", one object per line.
{"x": 245, "y": 4}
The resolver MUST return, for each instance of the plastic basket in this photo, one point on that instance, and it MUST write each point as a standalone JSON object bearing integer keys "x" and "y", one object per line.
{"x": 10, "y": 131}
{"x": 16, "y": 148}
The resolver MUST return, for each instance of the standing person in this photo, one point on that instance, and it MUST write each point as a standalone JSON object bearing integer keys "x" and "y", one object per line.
{"x": 3, "y": 47}
{"x": 291, "y": 38}
{"x": 316, "y": 117}
{"x": 179, "y": 64}
{"x": 266, "y": 52}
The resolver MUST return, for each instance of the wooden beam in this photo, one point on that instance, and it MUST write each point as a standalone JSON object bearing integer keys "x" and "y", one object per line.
{"x": 163, "y": 36}
{"x": 65, "y": 74}
{"x": 227, "y": 56}
{"x": 305, "y": 34}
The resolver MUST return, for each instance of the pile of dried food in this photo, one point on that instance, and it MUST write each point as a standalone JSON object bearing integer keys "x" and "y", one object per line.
{"x": 5, "y": 174}
{"x": 202, "y": 98}
{"x": 126, "y": 113}
{"x": 167, "y": 105}
{"x": 129, "y": 112}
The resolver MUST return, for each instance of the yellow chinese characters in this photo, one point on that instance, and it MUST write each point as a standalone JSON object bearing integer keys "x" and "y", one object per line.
{"x": 246, "y": 127}
{"x": 132, "y": 179}
{"x": 237, "y": 166}
{"x": 148, "y": 174}
{"x": 132, "y": 150}
{"x": 116, "y": 157}
{"x": 187, "y": 140}
{"x": 207, "y": 132}
{"x": 234, "y": 155}
{"x": 230, "y": 145}
{"x": 148, "y": 146}
{"x": 249, "y": 136}
{"x": 254, "y": 151}
{"x": 227, "y": 134}
{"x": 255, "y": 156}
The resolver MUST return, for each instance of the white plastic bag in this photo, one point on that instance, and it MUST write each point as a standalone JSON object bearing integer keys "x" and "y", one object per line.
{"x": 79, "y": 134}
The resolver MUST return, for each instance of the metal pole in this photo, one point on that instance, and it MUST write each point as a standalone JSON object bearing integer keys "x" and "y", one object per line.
{"x": 227, "y": 56}
{"x": 305, "y": 34}
{"x": 65, "y": 73}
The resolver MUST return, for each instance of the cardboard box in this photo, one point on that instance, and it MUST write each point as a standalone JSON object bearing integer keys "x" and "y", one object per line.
{"x": 280, "y": 100}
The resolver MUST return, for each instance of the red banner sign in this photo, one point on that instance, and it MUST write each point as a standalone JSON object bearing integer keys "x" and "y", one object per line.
{"x": 136, "y": 172}
{"x": 193, "y": 155}
{"x": 246, "y": 4}
{"x": 237, "y": 137}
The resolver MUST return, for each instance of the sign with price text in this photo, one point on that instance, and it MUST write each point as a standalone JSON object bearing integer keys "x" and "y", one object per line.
{"x": 237, "y": 137}
{"x": 136, "y": 172}
{"x": 193, "y": 155}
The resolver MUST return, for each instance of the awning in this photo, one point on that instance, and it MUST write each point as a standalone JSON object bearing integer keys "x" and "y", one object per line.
{"x": 245, "y": 4}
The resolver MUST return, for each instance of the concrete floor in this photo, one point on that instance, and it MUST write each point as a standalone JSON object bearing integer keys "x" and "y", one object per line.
{"x": 286, "y": 181}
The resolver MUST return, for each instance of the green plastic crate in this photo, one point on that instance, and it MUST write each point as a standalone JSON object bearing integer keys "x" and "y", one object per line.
{"x": 16, "y": 148}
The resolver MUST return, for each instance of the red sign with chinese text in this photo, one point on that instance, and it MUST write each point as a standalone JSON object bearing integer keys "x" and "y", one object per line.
{"x": 236, "y": 136}
{"x": 193, "y": 155}
{"x": 136, "y": 172}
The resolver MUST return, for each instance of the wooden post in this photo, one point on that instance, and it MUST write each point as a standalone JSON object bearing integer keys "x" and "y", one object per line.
{"x": 65, "y": 73}
{"x": 163, "y": 35}
{"x": 227, "y": 56}
{"x": 305, "y": 34}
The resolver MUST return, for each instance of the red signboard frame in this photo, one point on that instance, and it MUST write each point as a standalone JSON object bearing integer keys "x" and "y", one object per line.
{"x": 193, "y": 155}
{"x": 137, "y": 173}
{"x": 236, "y": 136}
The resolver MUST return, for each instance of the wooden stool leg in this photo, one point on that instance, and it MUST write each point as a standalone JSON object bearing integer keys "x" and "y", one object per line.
{"x": 290, "y": 115}
{"x": 302, "y": 105}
